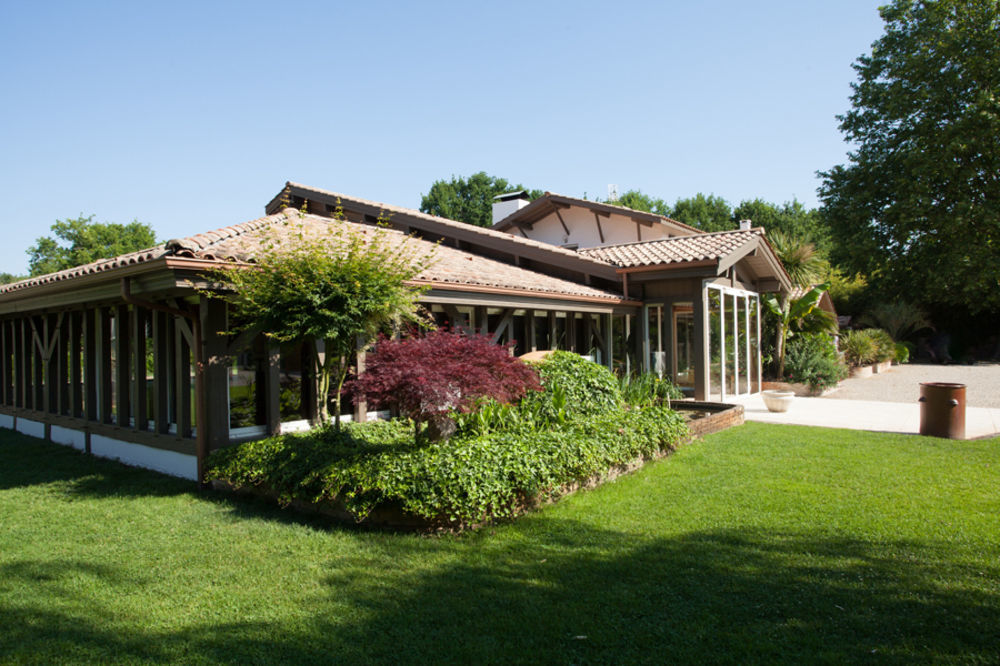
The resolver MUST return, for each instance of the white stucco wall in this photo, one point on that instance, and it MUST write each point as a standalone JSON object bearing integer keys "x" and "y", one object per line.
{"x": 168, "y": 462}
{"x": 6, "y": 421}
{"x": 583, "y": 229}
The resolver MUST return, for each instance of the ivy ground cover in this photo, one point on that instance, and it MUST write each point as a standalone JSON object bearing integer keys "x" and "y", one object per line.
{"x": 760, "y": 544}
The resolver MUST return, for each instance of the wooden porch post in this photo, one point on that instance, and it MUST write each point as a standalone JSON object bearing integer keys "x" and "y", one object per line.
{"x": 607, "y": 330}
{"x": 182, "y": 377}
{"x": 272, "y": 389}
{"x": 75, "y": 364}
{"x": 90, "y": 357}
{"x": 161, "y": 372}
{"x": 138, "y": 330}
{"x": 123, "y": 409}
{"x": 216, "y": 372}
{"x": 105, "y": 383}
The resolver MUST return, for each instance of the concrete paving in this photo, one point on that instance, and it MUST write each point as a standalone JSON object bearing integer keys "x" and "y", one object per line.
{"x": 864, "y": 415}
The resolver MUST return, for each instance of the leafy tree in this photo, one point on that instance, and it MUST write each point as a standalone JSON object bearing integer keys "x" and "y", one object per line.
{"x": 708, "y": 213}
{"x": 330, "y": 290}
{"x": 428, "y": 378}
{"x": 791, "y": 218}
{"x": 638, "y": 200}
{"x": 916, "y": 208}
{"x": 469, "y": 199}
{"x": 7, "y": 278}
{"x": 82, "y": 241}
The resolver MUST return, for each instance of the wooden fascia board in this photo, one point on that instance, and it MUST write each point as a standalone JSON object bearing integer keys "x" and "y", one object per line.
{"x": 679, "y": 265}
{"x": 446, "y": 295}
{"x": 734, "y": 257}
{"x": 482, "y": 289}
{"x": 153, "y": 276}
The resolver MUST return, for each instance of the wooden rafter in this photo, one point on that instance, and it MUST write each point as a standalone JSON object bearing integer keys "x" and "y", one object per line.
{"x": 561, "y": 221}
{"x": 505, "y": 320}
{"x": 600, "y": 230}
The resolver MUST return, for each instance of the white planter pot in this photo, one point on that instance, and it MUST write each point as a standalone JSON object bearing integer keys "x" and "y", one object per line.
{"x": 882, "y": 367}
{"x": 862, "y": 371}
{"x": 777, "y": 401}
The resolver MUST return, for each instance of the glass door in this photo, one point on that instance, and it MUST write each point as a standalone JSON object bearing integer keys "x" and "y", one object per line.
{"x": 683, "y": 356}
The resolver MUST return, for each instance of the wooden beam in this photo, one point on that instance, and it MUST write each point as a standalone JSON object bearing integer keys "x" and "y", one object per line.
{"x": 482, "y": 322}
{"x": 60, "y": 360}
{"x": 458, "y": 319}
{"x": 552, "y": 341}
{"x": 161, "y": 370}
{"x": 20, "y": 364}
{"x": 600, "y": 230}
{"x": 182, "y": 380}
{"x": 608, "y": 341}
{"x": 272, "y": 388}
{"x": 5, "y": 357}
{"x": 216, "y": 372}
{"x": 76, "y": 364}
{"x": 530, "y": 333}
{"x": 503, "y": 325}
{"x": 638, "y": 231}
{"x": 90, "y": 357}
{"x": 561, "y": 221}
{"x": 105, "y": 384}
{"x": 138, "y": 331}
{"x": 571, "y": 332}
{"x": 123, "y": 410}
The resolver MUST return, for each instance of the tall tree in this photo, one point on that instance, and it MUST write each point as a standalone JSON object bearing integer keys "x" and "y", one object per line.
{"x": 708, "y": 213}
{"x": 791, "y": 218}
{"x": 638, "y": 200}
{"x": 917, "y": 206}
{"x": 81, "y": 241}
{"x": 469, "y": 199}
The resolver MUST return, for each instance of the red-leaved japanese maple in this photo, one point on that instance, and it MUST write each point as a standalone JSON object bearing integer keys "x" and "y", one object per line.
{"x": 428, "y": 377}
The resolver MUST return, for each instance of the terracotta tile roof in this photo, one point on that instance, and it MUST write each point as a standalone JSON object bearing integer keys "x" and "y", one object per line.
{"x": 679, "y": 249}
{"x": 242, "y": 242}
{"x": 498, "y": 236}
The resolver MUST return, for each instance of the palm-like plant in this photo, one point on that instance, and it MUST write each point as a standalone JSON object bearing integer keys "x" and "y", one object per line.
{"x": 801, "y": 315}
{"x": 897, "y": 318}
{"x": 804, "y": 265}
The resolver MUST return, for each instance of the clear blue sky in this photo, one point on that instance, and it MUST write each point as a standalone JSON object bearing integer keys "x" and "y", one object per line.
{"x": 191, "y": 116}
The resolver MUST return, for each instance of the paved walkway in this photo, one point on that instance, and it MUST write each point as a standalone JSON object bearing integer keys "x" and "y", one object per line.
{"x": 865, "y": 415}
{"x": 888, "y": 402}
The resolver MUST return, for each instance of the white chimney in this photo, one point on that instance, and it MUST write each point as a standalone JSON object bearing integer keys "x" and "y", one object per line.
{"x": 505, "y": 205}
{"x": 744, "y": 225}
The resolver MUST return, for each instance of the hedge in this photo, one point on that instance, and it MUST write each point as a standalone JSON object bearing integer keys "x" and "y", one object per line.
{"x": 466, "y": 480}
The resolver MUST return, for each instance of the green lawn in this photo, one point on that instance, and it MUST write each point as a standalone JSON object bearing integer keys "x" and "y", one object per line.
{"x": 759, "y": 544}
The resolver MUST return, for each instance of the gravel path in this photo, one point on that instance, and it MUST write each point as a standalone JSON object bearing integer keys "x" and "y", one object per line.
{"x": 902, "y": 384}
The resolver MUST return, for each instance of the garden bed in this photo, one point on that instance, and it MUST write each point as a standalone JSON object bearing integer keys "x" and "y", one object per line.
{"x": 704, "y": 418}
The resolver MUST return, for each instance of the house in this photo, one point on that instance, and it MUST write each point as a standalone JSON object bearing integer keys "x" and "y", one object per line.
{"x": 124, "y": 358}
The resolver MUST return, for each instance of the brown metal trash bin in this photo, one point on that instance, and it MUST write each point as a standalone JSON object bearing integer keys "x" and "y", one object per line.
{"x": 942, "y": 410}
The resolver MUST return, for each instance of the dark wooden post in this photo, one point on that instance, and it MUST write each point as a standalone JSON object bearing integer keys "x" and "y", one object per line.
{"x": 481, "y": 322}
{"x": 571, "y": 332}
{"x": 216, "y": 372}
{"x": 272, "y": 388}
{"x": 607, "y": 330}
{"x": 529, "y": 333}
{"x": 122, "y": 370}
{"x": 552, "y": 339}
{"x": 61, "y": 363}
{"x": 309, "y": 405}
{"x": 91, "y": 331}
{"x": 27, "y": 346}
{"x": 75, "y": 364}
{"x": 38, "y": 374}
{"x": 137, "y": 323}
{"x": 182, "y": 379}
{"x": 4, "y": 363}
{"x": 161, "y": 372}
{"x": 104, "y": 383}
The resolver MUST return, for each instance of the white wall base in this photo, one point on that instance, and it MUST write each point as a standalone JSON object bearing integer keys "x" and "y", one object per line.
{"x": 6, "y": 421}
{"x": 160, "y": 460}
{"x": 31, "y": 428}
{"x": 74, "y": 438}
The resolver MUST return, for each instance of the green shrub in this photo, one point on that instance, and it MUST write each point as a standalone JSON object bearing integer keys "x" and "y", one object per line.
{"x": 647, "y": 388}
{"x": 466, "y": 479}
{"x": 885, "y": 347}
{"x": 902, "y": 354}
{"x": 858, "y": 347}
{"x": 581, "y": 386}
{"x": 812, "y": 359}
